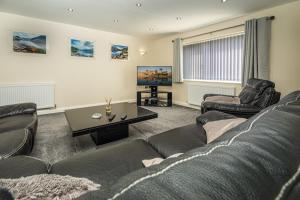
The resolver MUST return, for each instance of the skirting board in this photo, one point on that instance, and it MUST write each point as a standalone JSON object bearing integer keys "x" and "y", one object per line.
{"x": 60, "y": 110}
{"x": 185, "y": 104}
{"x": 63, "y": 109}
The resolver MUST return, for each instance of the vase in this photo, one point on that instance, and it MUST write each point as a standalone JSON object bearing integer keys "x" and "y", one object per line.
{"x": 108, "y": 110}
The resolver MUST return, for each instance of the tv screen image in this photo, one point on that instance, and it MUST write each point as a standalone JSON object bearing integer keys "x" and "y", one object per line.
{"x": 154, "y": 75}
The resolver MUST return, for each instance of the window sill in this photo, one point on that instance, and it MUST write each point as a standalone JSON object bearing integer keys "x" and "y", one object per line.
{"x": 212, "y": 81}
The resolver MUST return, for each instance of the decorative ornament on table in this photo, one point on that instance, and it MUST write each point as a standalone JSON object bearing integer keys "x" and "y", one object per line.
{"x": 108, "y": 106}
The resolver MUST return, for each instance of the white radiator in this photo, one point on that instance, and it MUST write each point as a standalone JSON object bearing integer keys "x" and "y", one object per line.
{"x": 41, "y": 94}
{"x": 196, "y": 92}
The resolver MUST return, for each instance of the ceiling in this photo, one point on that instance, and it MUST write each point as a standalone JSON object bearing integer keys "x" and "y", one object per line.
{"x": 153, "y": 18}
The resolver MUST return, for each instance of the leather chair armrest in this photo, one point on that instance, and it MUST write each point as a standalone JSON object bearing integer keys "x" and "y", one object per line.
{"x": 241, "y": 110}
{"x": 17, "y": 109}
{"x": 213, "y": 116}
{"x": 212, "y": 95}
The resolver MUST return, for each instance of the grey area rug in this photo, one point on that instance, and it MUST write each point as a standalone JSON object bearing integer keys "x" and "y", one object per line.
{"x": 54, "y": 141}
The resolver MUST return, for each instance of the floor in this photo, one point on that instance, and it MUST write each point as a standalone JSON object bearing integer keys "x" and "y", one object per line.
{"x": 54, "y": 141}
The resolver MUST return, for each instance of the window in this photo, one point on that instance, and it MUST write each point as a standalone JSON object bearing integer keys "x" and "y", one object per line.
{"x": 216, "y": 60}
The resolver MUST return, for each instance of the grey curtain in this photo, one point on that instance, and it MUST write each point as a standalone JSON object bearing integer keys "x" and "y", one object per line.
{"x": 256, "y": 49}
{"x": 178, "y": 61}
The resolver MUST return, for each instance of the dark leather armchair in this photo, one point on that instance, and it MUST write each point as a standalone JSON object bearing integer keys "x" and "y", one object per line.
{"x": 256, "y": 95}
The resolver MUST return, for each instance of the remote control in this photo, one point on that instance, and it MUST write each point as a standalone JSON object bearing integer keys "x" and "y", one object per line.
{"x": 112, "y": 117}
{"x": 123, "y": 117}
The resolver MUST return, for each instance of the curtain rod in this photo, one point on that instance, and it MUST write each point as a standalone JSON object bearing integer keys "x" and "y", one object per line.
{"x": 223, "y": 29}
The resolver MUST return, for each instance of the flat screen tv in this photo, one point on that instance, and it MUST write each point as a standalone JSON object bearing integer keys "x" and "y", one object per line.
{"x": 154, "y": 75}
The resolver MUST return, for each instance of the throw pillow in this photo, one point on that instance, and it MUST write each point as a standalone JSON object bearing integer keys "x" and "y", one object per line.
{"x": 217, "y": 128}
{"x": 156, "y": 161}
{"x": 48, "y": 186}
{"x": 151, "y": 162}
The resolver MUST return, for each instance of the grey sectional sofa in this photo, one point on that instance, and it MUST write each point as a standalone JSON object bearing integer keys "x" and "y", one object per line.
{"x": 259, "y": 159}
{"x": 18, "y": 125}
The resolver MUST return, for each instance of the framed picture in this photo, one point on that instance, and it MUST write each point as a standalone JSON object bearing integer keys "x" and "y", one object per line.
{"x": 119, "y": 52}
{"x": 82, "y": 48}
{"x": 29, "y": 43}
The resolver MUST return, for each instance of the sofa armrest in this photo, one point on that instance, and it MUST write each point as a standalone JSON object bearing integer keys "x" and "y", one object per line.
{"x": 212, "y": 95}
{"x": 213, "y": 116}
{"x": 241, "y": 110}
{"x": 17, "y": 109}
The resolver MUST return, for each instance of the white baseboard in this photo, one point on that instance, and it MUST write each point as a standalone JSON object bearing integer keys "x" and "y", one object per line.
{"x": 62, "y": 109}
{"x": 185, "y": 104}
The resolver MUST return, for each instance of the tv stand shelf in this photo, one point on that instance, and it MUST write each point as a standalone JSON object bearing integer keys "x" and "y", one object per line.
{"x": 155, "y": 98}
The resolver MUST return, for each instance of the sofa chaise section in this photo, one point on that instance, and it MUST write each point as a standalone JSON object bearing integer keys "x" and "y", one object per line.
{"x": 255, "y": 160}
{"x": 106, "y": 165}
{"x": 179, "y": 140}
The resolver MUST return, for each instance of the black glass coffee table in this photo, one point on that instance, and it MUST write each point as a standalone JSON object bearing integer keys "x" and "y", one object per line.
{"x": 102, "y": 130}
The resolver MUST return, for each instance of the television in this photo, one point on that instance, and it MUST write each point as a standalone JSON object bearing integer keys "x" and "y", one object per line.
{"x": 154, "y": 75}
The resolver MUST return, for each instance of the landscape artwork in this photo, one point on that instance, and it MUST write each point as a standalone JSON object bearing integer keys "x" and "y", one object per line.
{"x": 119, "y": 52}
{"x": 29, "y": 43}
{"x": 82, "y": 48}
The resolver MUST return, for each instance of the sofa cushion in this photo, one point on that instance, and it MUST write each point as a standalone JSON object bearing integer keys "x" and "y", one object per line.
{"x": 15, "y": 142}
{"x": 15, "y": 122}
{"x": 294, "y": 193}
{"x": 213, "y": 116}
{"x": 21, "y": 166}
{"x": 5, "y": 194}
{"x": 17, "y": 109}
{"x": 179, "y": 140}
{"x": 108, "y": 164}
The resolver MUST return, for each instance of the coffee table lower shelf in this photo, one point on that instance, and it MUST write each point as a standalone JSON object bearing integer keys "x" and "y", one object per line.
{"x": 110, "y": 134}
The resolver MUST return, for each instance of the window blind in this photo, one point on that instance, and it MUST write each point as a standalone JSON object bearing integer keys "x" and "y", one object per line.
{"x": 217, "y": 60}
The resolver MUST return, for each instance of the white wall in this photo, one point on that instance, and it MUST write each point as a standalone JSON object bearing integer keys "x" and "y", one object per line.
{"x": 285, "y": 48}
{"x": 79, "y": 81}
{"x": 82, "y": 81}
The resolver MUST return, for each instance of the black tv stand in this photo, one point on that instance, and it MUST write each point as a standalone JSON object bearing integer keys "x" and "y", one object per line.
{"x": 154, "y": 99}
{"x": 153, "y": 90}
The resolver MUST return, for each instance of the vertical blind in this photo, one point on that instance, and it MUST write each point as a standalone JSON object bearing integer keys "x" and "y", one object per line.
{"x": 218, "y": 60}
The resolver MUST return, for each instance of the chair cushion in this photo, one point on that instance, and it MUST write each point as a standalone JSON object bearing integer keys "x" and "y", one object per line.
{"x": 179, "y": 140}
{"x": 108, "y": 164}
{"x": 254, "y": 89}
{"x": 224, "y": 99}
{"x": 15, "y": 122}
{"x": 266, "y": 98}
{"x": 16, "y": 142}
{"x": 21, "y": 166}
